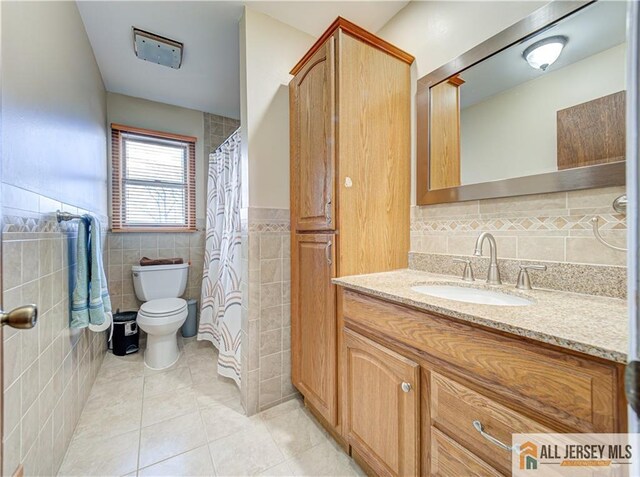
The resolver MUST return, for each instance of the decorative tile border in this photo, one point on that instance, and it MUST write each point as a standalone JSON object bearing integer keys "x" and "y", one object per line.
{"x": 45, "y": 224}
{"x": 262, "y": 220}
{"x": 525, "y": 223}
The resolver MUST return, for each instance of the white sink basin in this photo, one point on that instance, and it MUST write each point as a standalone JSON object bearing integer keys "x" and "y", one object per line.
{"x": 472, "y": 295}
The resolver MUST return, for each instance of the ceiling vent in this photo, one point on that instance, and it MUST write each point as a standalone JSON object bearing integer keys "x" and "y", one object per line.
{"x": 157, "y": 49}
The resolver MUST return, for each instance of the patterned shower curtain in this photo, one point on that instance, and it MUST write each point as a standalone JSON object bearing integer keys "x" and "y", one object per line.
{"x": 221, "y": 299}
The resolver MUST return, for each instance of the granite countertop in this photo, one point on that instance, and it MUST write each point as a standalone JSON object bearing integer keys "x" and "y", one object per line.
{"x": 589, "y": 324}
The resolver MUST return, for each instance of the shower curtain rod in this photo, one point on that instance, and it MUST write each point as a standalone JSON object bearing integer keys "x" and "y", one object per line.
{"x": 224, "y": 142}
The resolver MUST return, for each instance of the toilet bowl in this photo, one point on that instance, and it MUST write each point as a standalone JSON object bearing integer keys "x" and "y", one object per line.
{"x": 162, "y": 313}
{"x": 161, "y": 319}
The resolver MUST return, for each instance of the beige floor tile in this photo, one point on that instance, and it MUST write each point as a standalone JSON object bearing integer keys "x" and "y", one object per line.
{"x": 222, "y": 420}
{"x": 170, "y": 438}
{"x": 202, "y": 350}
{"x": 295, "y": 431}
{"x": 203, "y": 369}
{"x": 280, "y": 470}
{"x": 325, "y": 459}
{"x": 181, "y": 363}
{"x": 106, "y": 393}
{"x": 109, "y": 421}
{"x": 196, "y": 462}
{"x": 245, "y": 453}
{"x": 120, "y": 372}
{"x": 113, "y": 361}
{"x": 192, "y": 346}
{"x": 285, "y": 407}
{"x": 167, "y": 381}
{"x": 214, "y": 391}
{"x": 101, "y": 456}
{"x": 165, "y": 406}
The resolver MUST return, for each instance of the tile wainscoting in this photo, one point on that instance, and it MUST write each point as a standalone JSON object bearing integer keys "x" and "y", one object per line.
{"x": 216, "y": 130}
{"x": 266, "y": 309}
{"x": 49, "y": 370}
{"x": 551, "y": 227}
{"x": 126, "y": 249}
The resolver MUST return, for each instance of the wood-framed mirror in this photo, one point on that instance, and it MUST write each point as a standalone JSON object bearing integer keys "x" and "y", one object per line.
{"x": 537, "y": 108}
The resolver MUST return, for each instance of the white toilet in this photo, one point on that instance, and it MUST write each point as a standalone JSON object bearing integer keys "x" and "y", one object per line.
{"x": 163, "y": 313}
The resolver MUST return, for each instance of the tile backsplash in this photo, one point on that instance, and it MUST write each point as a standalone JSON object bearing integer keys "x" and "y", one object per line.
{"x": 50, "y": 369}
{"x": 126, "y": 249}
{"x": 216, "y": 130}
{"x": 552, "y": 227}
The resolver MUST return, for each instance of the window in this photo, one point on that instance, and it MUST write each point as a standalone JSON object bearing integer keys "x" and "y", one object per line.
{"x": 153, "y": 180}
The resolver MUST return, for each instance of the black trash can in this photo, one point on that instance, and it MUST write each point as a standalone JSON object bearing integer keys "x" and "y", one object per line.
{"x": 125, "y": 333}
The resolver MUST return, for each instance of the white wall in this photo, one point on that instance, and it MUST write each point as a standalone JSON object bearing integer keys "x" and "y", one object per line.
{"x": 437, "y": 32}
{"x": 514, "y": 133}
{"x": 130, "y": 111}
{"x": 268, "y": 51}
{"x": 53, "y": 105}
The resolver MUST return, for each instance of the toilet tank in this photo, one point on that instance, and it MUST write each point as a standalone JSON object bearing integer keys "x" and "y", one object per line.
{"x": 160, "y": 281}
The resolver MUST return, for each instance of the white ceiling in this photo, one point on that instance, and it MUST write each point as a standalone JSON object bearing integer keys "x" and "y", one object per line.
{"x": 209, "y": 77}
{"x": 313, "y": 17}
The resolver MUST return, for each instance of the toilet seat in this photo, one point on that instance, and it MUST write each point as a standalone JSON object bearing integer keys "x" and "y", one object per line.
{"x": 163, "y": 311}
{"x": 163, "y": 307}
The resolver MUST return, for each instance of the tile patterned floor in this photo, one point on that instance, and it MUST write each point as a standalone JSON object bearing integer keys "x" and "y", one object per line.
{"x": 188, "y": 421}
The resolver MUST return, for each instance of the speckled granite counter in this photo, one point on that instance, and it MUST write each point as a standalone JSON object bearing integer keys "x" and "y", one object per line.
{"x": 593, "y": 325}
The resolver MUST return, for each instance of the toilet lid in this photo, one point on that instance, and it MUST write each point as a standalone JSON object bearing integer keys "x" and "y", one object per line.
{"x": 163, "y": 306}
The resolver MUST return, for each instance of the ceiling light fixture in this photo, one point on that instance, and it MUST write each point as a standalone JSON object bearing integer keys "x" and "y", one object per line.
{"x": 542, "y": 54}
{"x": 157, "y": 49}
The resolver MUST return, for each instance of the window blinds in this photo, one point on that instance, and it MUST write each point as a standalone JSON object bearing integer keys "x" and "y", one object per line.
{"x": 153, "y": 180}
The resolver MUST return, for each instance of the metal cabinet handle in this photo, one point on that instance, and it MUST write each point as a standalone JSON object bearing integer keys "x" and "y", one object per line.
{"x": 406, "y": 387}
{"x": 22, "y": 318}
{"x": 327, "y": 211}
{"x": 327, "y": 252}
{"x": 478, "y": 426}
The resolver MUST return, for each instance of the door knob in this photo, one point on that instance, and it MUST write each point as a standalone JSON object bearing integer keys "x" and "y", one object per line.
{"x": 23, "y": 318}
{"x": 406, "y": 387}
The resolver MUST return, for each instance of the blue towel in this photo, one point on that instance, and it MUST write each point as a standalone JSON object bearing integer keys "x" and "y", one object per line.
{"x": 90, "y": 302}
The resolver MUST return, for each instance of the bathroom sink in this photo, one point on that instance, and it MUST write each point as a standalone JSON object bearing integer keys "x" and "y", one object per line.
{"x": 472, "y": 295}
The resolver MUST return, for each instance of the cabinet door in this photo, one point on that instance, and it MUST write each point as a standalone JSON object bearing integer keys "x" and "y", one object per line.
{"x": 313, "y": 322}
{"x": 312, "y": 103}
{"x": 381, "y": 417}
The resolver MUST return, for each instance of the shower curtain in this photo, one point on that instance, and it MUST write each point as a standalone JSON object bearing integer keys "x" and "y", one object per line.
{"x": 221, "y": 300}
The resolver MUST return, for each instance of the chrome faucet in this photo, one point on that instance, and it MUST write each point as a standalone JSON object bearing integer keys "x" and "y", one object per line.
{"x": 493, "y": 274}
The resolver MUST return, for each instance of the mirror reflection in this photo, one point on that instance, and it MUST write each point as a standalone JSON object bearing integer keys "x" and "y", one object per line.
{"x": 554, "y": 101}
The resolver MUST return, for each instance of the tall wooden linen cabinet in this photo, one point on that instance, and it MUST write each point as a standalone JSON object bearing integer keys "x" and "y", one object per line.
{"x": 350, "y": 119}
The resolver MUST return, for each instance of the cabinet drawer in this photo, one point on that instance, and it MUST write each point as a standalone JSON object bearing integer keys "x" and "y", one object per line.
{"x": 454, "y": 407}
{"x": 450, "y": 459}
{"x": 572, "y": 390}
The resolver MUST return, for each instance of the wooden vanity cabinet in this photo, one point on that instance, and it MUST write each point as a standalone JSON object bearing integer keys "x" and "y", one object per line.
{"x": 467, "y": 373}
{"x": 350, "y": 113}
{"x": 380, "y": 416}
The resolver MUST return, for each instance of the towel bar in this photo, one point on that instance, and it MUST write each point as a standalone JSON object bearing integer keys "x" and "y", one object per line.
{"x": 620, "y": 206}
{"x": 60, "y": 216}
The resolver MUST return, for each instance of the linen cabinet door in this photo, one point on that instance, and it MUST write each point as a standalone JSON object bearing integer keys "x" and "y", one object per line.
{"x": 313, "y": 322}
{"x": 312, "y": 104}
{"x": 381, "y": 414}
